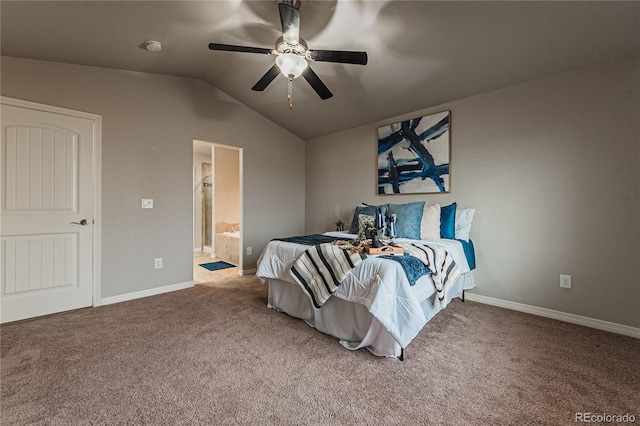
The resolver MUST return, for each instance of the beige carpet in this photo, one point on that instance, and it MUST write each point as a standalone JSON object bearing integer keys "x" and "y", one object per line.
{"x": 217, "y": 355}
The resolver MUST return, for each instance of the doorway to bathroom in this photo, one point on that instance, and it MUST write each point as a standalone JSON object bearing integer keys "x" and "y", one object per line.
{"x": 217, "y": 211}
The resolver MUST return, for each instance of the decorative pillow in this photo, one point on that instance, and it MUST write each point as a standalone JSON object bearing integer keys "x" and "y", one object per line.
{"x": 362, "y": 219}
{"x": 430, "y": 225}
{"x": 408, "y": 219}
{"x": 448, "y": 221}
{"x": 368, "y": 210}
{"x": 464, "y": 218}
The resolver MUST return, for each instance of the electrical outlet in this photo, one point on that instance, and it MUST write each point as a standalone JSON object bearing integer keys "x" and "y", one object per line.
{"x": 158, "y": 263}
{"x": 249, "y": 251}
{"x": 147, "y": 203}
{"x": 565, "y": 281}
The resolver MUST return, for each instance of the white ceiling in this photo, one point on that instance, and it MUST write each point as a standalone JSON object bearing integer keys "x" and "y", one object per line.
{"x": 421, "y": 53}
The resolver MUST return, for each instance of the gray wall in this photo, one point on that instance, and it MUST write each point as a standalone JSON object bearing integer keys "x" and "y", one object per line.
{"x": 148, "y": 125}
{"x": 552, "y": 167}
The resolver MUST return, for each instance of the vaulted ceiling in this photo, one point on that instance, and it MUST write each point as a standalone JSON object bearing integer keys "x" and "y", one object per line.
{"x": 421, "y": 53}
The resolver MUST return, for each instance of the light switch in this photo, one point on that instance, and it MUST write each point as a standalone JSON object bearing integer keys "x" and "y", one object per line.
{"x": 147, "y": 203}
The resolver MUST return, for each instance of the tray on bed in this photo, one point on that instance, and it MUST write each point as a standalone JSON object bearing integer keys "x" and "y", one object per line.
{"x": 383, "y": 250}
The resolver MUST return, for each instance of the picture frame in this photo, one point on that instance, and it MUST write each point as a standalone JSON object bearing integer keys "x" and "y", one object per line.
{"x": 414, "y": 156}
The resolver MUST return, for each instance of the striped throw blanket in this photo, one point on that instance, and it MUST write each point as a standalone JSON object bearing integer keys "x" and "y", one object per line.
{"x": 321, "y": 269}
{"x": 444, "y": 270}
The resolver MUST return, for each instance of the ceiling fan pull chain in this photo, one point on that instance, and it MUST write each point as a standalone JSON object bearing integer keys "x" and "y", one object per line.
{"x": 290, "y": 92}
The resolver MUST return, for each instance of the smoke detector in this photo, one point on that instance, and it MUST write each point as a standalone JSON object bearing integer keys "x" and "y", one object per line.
{"x": 153, "y": 46}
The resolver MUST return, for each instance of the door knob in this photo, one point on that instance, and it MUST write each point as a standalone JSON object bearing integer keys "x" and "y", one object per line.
{"x": 83, "y": 222}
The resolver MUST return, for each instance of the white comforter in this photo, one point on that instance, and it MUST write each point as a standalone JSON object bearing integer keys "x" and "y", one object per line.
{"x": 381, "y": 285}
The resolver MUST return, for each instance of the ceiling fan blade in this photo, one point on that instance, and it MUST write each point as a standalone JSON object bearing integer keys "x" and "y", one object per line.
{"x": 266, "y": 79}
{"x": 234, "y": 48}
{"x": 342, "y": 56}
{"x": 290, "y": 20}
{"x": 317, "y": 84}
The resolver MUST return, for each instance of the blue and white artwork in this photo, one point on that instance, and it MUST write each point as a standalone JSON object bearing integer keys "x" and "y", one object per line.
{"x": 414, "y": 155}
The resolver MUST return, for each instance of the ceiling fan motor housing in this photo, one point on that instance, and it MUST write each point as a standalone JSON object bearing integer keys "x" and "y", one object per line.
{"x": 283, "y": 47}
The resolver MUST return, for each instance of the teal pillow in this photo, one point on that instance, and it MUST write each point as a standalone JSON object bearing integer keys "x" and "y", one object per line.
{"x": 448, "y": 221}
{"x": 369, "y": 211}
{"x": 408, "y": 219}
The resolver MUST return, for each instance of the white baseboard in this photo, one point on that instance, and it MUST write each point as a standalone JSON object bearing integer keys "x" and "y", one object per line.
{"x": 558, "y": 315}
{"x": 247, "y": 271}
{"x": 144, "y": 293}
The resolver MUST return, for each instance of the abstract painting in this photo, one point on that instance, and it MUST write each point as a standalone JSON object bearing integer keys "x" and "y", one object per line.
{"x": 414, "y": 155}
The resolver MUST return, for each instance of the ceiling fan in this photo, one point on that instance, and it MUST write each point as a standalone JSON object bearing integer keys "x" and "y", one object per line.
{"x": 292, "y": 55}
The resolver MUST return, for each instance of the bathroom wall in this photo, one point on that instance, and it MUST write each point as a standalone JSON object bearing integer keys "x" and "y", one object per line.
{"x": 226, "y": 172}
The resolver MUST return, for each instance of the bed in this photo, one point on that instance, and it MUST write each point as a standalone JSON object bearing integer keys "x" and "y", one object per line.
{"x": 374, "y": 307}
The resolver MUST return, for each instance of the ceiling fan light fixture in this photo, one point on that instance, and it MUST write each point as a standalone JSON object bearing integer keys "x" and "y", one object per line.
{"x": 291, "y": 64}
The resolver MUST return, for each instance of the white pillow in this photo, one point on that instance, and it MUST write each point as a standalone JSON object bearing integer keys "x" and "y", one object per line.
{"x": 464, "y": 218}
{"x": 430, "y": 225}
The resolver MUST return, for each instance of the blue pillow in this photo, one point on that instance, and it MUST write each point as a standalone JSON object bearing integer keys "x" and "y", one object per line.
{"x": 408, "y": 219}
{"x": 448, "y": 221}
{"x": 369, "y": 211}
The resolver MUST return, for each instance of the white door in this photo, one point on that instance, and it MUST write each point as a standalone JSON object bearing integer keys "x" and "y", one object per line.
{"x": 46, "y": 228}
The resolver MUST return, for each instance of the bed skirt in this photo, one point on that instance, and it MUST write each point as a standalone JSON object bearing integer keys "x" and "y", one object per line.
{"x": 350, "y": 322}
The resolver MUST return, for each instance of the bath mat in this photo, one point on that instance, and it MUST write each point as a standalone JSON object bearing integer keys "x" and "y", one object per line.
{"x": 216, "y": 266}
